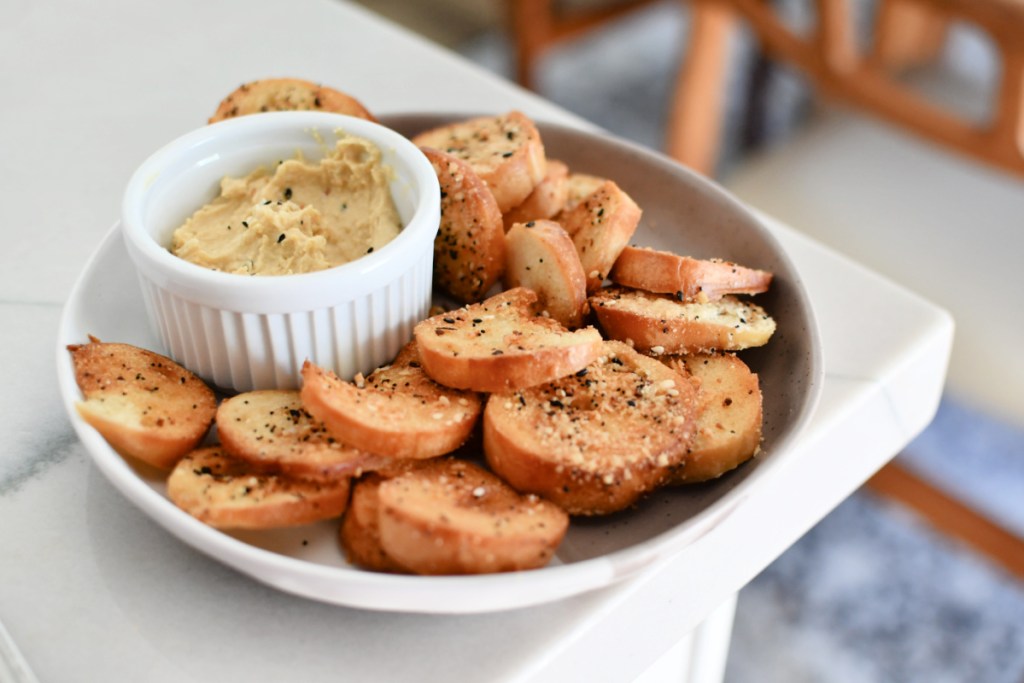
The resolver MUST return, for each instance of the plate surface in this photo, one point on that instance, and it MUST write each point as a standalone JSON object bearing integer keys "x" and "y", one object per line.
{"x": 683, "y": 213}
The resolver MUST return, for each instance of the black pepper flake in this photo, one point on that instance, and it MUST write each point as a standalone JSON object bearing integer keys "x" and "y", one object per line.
{"x": 287, "y": 193}
{"x": 370, "y": 250}
{"x": 506, "y": 155}
{"x": 245, "y": 224}
{"x": 280, "y": 238}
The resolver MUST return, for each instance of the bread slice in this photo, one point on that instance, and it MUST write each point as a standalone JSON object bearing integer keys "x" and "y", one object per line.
{"x": 469, "y": 250}
{"x": 499, "y": 344}
{"x": 596, "y": 441}
{"x": 658, "y": 323}
{"x": 226, "y": 493}
{"x": 540, "y": 256}
{"x": 579, "y": 186}
{"x": 145, "y": 405}
{"x": 450, "y": 516}
{"x": 359, "y": 534}
{"x": 397, "y": 411}
{"x": 601, "y": 227}
{"x": 687, "y": 278}
{"x": 273, "y": 431}
{"x": 506, "y": 151}
{"x": 547, "y": 198}
{"x": 287, "y": 94}
{"x": 729, "y": 423}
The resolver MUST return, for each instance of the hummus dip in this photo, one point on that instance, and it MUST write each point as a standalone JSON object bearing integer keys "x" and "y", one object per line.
{"x": 299, "y": 218}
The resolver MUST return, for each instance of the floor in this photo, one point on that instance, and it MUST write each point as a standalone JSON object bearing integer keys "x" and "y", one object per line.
{"x": 872, "y": 593}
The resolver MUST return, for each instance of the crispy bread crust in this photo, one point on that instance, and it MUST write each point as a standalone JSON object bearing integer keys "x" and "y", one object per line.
{"x": 287, "y": 94}
{"x": 469, "y": 250}
{"x": 398, "y": 411}
{"x": 273, "y": 431}
{"x": 505, "y": 151}
{"x": 601, "y": 226}
{"x": 658, "y": 323}
{"x": 450, "y": 516}
{"x": 145, "y": 405}
{"x": 499, "y": 344}
{"x": 594, "y": 442}
{"x": 685, "y": 277}
{"x": 546, "y": 200}
{"x": 226, "y": 493}
{"x": 542, "y": 257}
{"x": 729, "y": 423}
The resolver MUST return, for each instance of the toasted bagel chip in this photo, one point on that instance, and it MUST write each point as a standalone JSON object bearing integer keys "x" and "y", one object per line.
{"x": 505, "y": 151}
{"x": 449, "y": 516}
{"x": 601, "y": 226}
{"x": 658, "y": 323}
{"x": 729, "y": 419}
{"x": 359, "y": 534}
{"x": 287, "y": 94}
{"x": 685, "y": 277}
{"x": 397, "y": 411}
{"x": 546, "y": 200}
{"x": 501, "y": 344}
{"x": 469, "y": 250}
{"x": 273, "y": 431}
{"x": 597, "y": 441}
{"x": 145, "y": 405}
{"x": 226, "y": 493}
{"x": 542, "y": 257}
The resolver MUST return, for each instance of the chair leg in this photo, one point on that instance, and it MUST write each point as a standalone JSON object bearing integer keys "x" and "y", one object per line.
{"x": 907, "y": 35}
{"x": 698, "y": 101}
{"x": 532, "y": 28}
{"x": 951, "y": 517}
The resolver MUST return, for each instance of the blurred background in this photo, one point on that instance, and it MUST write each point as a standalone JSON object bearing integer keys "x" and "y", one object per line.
{"x": 919, "y": 576}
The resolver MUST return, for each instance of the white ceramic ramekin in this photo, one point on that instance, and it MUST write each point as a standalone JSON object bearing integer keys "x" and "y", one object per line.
{"x": 254, "y": 332}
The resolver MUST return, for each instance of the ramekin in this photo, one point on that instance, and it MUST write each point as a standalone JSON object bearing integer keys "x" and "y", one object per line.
{"x": 242, "y": 332}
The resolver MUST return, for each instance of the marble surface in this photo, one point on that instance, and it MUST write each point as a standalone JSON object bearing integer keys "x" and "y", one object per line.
{"x": 93, "y": 590}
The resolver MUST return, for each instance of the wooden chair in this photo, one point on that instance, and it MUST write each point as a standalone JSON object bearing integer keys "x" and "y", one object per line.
{"x": 868, "y": 82}
{"x": 869, "y": 212}
{"x": 538, "y": 25}
{"x": 908, "y": 33}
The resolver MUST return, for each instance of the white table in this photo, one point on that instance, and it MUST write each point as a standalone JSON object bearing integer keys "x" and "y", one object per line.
{"x": 92, "y": 590}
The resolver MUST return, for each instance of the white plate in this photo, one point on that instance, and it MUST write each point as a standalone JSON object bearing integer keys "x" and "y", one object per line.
{"x": 682, "y": 212}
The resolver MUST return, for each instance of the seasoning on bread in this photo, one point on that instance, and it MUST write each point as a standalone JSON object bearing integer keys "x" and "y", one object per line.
{"x": 287, "y": 94}
{"x": 272, "y": 430}
{"x": 540, "y": 256}
{"x": 579, "y": 186}
{"x": 501, "y": 344}
{"x": 729, "y": 423}
{"x": 450, "y": 516}
{"x": 469, "y": 250}
{"x": 601, "y": 226}
{"x": 685, "y": 277}
{"x": 397, "y": 411}
{"x": 505, "y": 151}
{"x": 658, "y": 323}
{"x": 226, "y": 493}
{"x": 546, "y": 200}
{"x": 597, "y": 441}
{"x": 145, "y": 405}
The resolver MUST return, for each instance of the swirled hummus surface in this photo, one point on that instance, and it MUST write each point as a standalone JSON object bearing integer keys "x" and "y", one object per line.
{"x": 298, "y": 217}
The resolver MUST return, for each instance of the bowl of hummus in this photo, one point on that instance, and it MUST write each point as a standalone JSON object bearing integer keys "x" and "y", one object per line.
{"x": 267, "y": 240}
